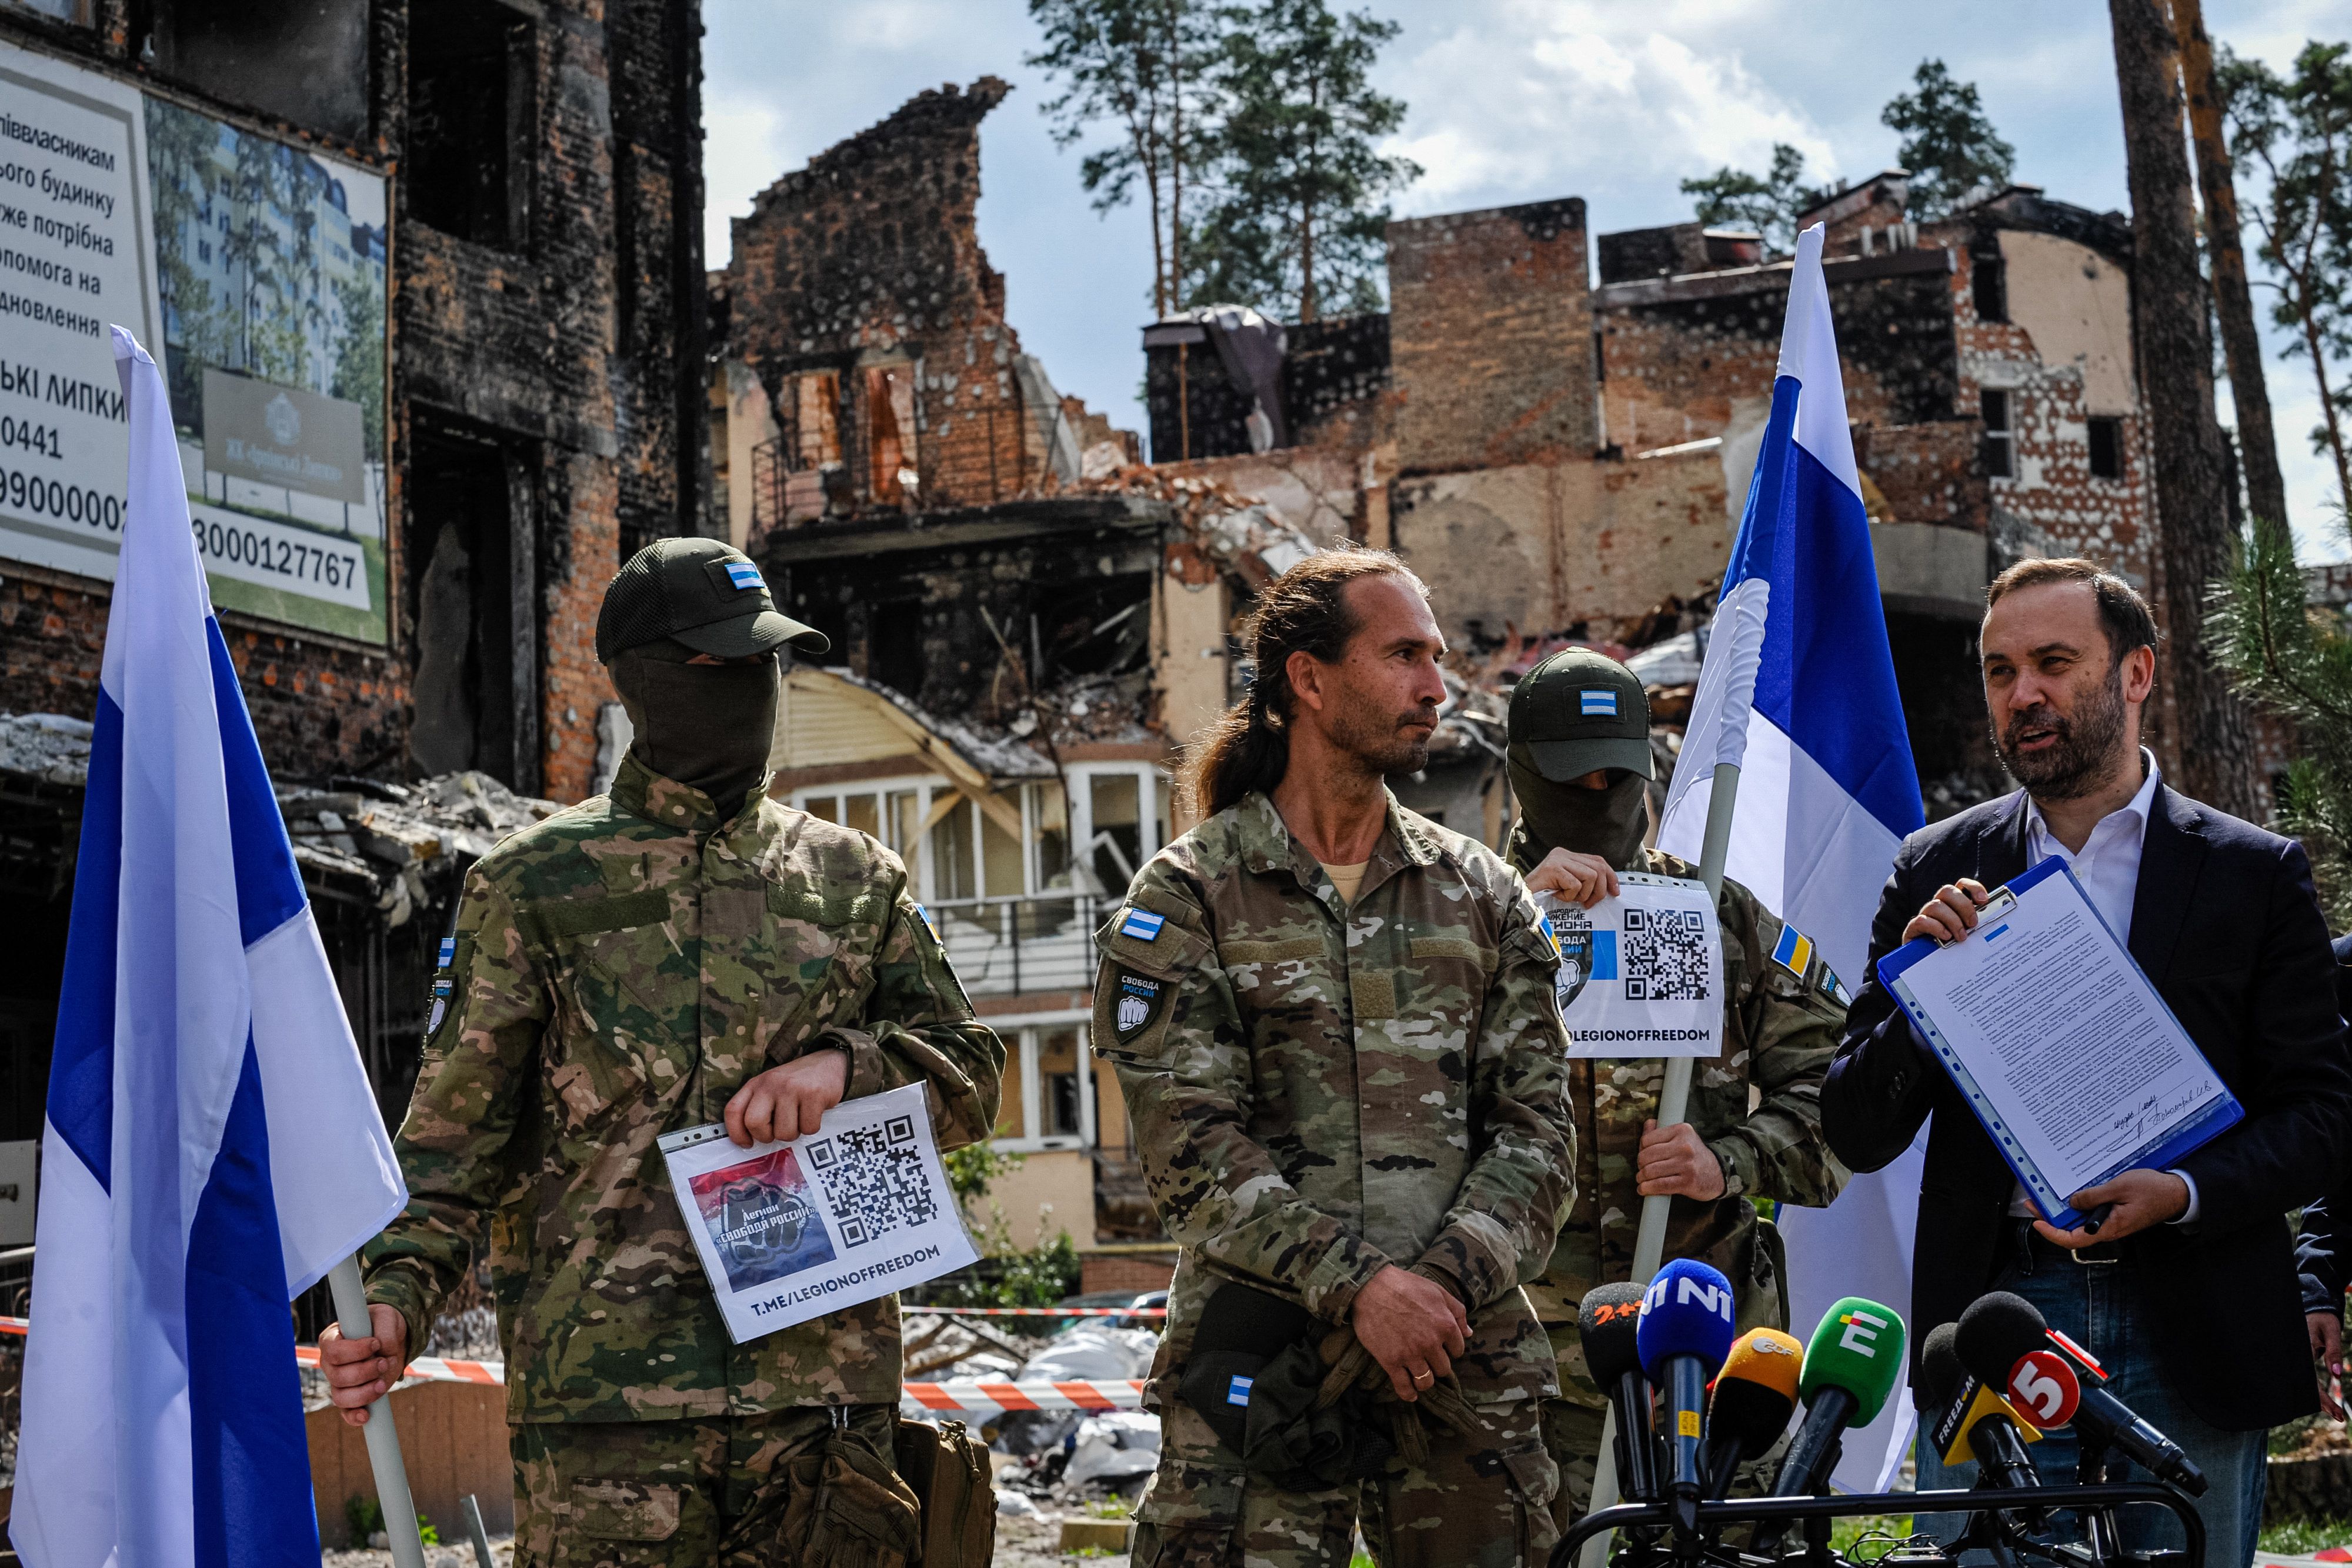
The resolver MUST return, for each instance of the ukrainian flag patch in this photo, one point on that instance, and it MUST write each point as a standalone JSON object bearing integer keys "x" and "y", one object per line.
{"x": 1141, "y": 924}
{"x": 743, "y": 575}
{"x": 929, "y": 923}
{"x": 1597, "y": 703}
{"x": 1543, "y": 924}
{"x": 1793, "y": 952}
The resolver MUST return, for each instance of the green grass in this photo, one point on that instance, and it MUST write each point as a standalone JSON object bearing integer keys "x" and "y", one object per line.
{"x": 1890, "y": 1529}
{"x": 2301, "y": 1537}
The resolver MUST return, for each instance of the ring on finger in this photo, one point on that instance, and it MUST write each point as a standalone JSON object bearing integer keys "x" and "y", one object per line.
{"x": 1424, "y": 1378}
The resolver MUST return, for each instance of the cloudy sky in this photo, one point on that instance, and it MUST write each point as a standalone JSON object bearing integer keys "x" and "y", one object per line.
{"x": 1509, "y": 100}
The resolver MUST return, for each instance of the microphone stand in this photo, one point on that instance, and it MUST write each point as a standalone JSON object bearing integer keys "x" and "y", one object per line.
{"x": 2099, "y": 1531}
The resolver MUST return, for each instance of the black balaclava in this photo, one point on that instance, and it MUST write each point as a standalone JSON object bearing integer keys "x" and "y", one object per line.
{"x": 707, "y": 726}
{"x": 1609, "y": 823}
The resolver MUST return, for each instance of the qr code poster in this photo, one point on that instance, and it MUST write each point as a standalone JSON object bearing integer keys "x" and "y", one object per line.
{"x": 1654, "y": 973}
{"x": 787, "y": 1232}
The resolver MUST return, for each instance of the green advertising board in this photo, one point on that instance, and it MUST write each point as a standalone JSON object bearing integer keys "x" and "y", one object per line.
{"x": 254, "y": 270}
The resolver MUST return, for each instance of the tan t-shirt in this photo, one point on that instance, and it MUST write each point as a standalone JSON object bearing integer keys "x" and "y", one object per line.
{"x": 1346, "y": 879}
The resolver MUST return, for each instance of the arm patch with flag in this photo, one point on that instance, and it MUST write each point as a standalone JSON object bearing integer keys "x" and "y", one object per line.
{"x": 1794, "y": 953}
{"x": 1141, "y": 924}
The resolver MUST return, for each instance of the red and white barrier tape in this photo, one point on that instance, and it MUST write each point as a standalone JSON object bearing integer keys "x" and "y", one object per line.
{"x": 964, "y": 1396}
{"x": 983, "y": 1396}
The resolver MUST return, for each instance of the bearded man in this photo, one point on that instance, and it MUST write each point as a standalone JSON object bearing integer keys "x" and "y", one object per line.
{"x": 1336, "y": 1025}
{"x": 2188, "y": 1292}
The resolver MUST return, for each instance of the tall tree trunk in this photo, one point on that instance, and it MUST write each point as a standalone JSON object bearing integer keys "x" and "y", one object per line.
{"x": 2214, "y": 750}
{"x": 1176, "y": 157}
{"x": 2233, "y": 301}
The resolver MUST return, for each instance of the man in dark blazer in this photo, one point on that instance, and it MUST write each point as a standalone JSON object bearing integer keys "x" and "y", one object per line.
{"x": 2322, "y": 1252}
{"x": 2188, "y": 1294}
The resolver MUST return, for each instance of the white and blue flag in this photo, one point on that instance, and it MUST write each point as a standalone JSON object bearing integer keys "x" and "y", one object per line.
{"x": 1797, "y": 692}
{"x": 211, "y": 1147}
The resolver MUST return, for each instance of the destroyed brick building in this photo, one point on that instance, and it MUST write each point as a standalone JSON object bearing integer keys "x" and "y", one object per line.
{"x": 463, "y": 240}
{"x": 1566, "y": 458}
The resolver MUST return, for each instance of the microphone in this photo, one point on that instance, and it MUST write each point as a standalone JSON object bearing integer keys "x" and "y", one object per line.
{"x": 1607, "y": 1325}
{"x": 1683, "y": 1334}
{"x": 2001, "y": 1330}
{"x": 1755, "y": 1394}
{"x": 1978, "y": 1424}
{"x": 2044, "y": 1387}
{"x": 1851, "y": 1367}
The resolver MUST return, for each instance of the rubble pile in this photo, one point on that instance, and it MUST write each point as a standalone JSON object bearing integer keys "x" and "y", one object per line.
{"x": 395, "y": 838}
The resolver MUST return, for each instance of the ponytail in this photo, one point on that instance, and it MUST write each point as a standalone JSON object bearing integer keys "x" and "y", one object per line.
{"x": 1305, "y": 610}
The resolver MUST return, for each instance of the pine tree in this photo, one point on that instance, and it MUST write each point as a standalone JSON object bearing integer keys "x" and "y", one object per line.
{"x": 1299, "y": 226}
{"x": 2295, "y": 660}
{"x": 2293, "y": 135}
{"x": 1948, "y": 143}
{"x": 1140, "y": 66}
{"x": 1769, "y": 204}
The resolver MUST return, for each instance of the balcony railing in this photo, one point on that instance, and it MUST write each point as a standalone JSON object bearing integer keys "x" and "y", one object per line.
{"x": 1002, "y": 946}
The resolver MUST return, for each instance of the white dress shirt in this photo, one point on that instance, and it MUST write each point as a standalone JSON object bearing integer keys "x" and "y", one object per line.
{"x": 2108, "y": 869}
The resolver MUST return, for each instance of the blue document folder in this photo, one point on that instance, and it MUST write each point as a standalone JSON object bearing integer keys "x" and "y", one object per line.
{"x": 2203, "y": 1125}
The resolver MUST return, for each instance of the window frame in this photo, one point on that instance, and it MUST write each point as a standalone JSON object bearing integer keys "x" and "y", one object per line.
{"x": 2000, "y": 439}
{"x": 2092, "y": 424}
{"x": 1024, "y": 1047}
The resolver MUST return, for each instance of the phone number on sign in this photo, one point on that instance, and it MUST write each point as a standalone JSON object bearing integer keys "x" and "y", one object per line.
{"x": 32, "y": 494}
{"x": 286, "y": 557}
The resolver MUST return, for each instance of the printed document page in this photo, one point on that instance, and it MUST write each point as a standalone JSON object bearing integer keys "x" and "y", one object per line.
{"x": 1641, "y": 972}
{"x": 788, "y": 1232}
{"x": 2065, "y": 1040}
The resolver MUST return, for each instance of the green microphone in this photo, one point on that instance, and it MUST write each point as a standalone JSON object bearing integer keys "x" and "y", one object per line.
{"x": 1852, "y": 1366}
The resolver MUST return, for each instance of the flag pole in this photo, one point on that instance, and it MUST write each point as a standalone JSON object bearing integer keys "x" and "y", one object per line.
{"x": 1673, "y": 1104}
{"x": 383, "y": 1437}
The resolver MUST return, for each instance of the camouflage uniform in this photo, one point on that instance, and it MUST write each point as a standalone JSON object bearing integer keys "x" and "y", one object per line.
{"x": 618, "y": 972}
{"x": 1319, "y": 1091}
{"x": 1757, "y": 1106}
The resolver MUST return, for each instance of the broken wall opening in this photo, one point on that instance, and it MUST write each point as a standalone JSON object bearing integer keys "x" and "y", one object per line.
{"x": 470, "y": 121}
{"x": 473, "y": 604}
{"x": 303, "y": 60}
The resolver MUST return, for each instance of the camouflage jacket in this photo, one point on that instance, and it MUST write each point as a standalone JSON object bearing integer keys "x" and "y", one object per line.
{"x": 618, "y": 972}
{"x": 1320, "y": 1090}
{"x": 1757, "y": 1106}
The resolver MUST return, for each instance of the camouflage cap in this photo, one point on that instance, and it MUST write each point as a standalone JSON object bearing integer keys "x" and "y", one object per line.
{"x": 705, "y": 594}
{"x": 1579, "y": 711}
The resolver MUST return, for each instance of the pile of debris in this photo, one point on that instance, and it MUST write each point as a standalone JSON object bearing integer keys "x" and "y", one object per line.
{"x": 397, "y": 838}
{"x": 391, "y": 839}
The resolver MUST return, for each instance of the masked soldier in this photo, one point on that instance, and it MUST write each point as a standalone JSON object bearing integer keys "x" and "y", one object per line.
{"x": 1336, "y": 1026}
{"x": 1579, "y": 763}
{"x": 682, "y": 950}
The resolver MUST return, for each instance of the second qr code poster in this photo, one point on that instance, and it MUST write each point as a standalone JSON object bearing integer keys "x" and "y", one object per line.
{"x": 1656, "y": 982}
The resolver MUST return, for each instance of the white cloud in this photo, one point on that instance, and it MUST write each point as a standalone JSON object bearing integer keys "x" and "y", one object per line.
{"x": 1534, "y": 100}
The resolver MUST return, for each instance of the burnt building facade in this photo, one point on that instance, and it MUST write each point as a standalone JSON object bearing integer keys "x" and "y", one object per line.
{"x": 1565, "y": 458}
{"x": 464, "y": 238}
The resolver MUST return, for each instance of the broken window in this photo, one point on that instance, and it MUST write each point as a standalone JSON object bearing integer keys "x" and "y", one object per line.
{"x": 1989, "y": 282}
{"x": 1097, "y": 625}
{"x": 303, "y": 60}
{"x": 1999, "y": 457}
{"x": 894, "y": 644}
{"x": 952, "y": 847}
{"x": 470, "y": 121}
{"x": 1049, "y": 826}
{"x": 1061, "y": 1086}
{"x": 473, "y": 602}
{"x": 1115, "y": 811}
{"x": 2106, "y": 447}
{"x": 890, "y": 429}
{"x": 816, "y": 410}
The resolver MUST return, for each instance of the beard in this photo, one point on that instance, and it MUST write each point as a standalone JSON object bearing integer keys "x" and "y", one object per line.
{"x": 1387, "y": 743}
{"x": 2084, "y": 746}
